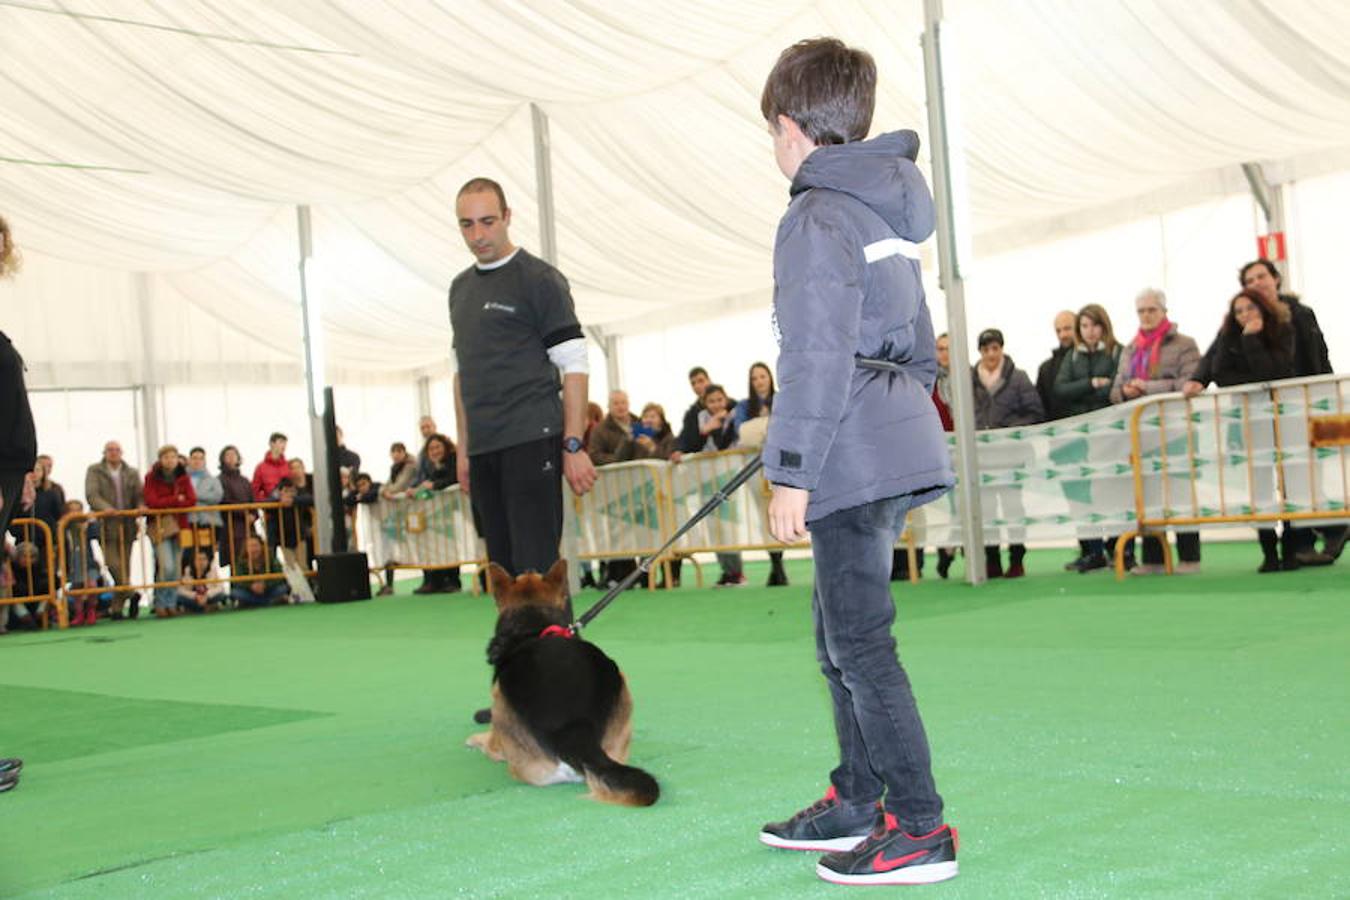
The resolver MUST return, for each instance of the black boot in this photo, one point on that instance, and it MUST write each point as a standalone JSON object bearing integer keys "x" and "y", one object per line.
{"x": 944, "y": 563}
{"x": 777, "y": 574}
{"x": 1270, "y": 554}
{"x": 993, "y": 563}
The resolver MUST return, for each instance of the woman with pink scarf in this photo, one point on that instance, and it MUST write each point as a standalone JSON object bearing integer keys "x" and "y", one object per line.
{"x": 1159, "y": 360}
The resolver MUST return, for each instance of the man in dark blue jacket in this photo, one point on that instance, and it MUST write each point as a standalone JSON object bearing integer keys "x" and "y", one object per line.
{"x": 853, "y": 444}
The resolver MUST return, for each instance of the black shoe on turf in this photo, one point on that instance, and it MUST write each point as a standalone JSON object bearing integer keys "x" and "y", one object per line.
{"x": 1090, "y": 564}
{"x": 889, "y": 856}
{"x": 824, "y": 825}
{"x": 777, "y": 578}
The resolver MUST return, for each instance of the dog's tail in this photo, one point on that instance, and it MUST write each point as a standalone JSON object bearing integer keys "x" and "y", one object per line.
{"x": 578, "y": 745}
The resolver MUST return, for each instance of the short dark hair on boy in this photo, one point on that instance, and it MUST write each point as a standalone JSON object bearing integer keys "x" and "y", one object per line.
{"x": 398, "y": 445}
{"x": 698, "y": 370}
{"x": 276, "y": 436}
{"x": 714, "y": 389}
{"x": 201, "y": 450}
{"x": 826, "y": 87}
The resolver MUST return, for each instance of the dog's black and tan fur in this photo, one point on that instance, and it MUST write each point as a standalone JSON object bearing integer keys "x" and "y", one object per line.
{"x": 557, "y": 699}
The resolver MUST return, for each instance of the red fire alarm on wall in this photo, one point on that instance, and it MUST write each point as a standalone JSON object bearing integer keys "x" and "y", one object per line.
{"x": 1270, "y": 246}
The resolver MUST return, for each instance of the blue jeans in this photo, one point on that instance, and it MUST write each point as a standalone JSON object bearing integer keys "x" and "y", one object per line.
{"x": 167, "y": 568}
{"x": 883, "y": 751}
{"x": 245, "y": 598}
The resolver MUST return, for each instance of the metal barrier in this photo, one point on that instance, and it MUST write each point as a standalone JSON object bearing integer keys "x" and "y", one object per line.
{"x": 430, "y": 530}
{"x": 125, "y": 548}
{"x": 742, "y": 523}
{"x": 627, "y": 514}
{"x": 1249, "y": 455}
{"x": 35, "y": 556}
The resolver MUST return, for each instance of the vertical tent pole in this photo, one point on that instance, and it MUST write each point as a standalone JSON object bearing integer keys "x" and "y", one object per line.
{"x": 311, "y": 314}
{"x": 1270, "y": 197}
{"x": 548, "y": 247}
{"x": 151, "y": 431}
{"x": 951, "y": 246}
{"x": 424, "y": 396}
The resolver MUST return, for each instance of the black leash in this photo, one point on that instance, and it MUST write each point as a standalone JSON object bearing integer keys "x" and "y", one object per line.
{"x": 645, "y": 566}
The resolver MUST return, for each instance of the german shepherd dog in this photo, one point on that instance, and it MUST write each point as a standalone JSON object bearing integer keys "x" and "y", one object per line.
{"x": 561, "y": 710}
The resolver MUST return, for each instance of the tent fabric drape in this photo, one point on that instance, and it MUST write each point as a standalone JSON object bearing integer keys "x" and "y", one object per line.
{"x": 176, "y": 139}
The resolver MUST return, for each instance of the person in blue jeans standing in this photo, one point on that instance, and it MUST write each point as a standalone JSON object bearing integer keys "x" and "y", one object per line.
{"x": 853, "y": 444}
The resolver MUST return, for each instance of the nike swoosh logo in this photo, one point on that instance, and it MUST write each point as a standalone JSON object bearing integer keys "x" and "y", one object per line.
{"x": 881, "y": 864}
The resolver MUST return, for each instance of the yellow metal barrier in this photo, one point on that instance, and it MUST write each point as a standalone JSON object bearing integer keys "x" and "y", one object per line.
{"x": 24, "y": 580}
{"x": 120, "y": 532}
{"x": 1277, "y": 453}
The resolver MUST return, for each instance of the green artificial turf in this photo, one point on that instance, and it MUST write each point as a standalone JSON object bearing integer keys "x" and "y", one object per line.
{"x": 1165, "y": 737}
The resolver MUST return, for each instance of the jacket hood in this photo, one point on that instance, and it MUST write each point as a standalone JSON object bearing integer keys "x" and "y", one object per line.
{"x": 879, "y": 172}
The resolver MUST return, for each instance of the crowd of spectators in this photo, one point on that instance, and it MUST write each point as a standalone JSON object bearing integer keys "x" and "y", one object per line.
{"x": 1265, "y": 334}
{"x": 713, "y": 421}
{"x": 203, "y": 560}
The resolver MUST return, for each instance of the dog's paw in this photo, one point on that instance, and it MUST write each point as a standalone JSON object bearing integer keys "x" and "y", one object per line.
{"x": 564, "y": 774}
{"x": 479, "y": 741}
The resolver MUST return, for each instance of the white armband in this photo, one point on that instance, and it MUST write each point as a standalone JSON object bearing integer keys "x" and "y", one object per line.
{"x": 570, "y": 357}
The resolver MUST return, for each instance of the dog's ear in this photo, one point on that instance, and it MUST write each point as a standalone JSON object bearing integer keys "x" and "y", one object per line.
{"x": 499, "y": 581}
{"x": 557, "y": 573}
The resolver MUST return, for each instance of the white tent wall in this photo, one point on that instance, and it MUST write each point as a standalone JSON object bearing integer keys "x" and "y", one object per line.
{"x": 180, "y": 147}
{"x": 74, "y": 424}
{"x": 1193, "y": 254}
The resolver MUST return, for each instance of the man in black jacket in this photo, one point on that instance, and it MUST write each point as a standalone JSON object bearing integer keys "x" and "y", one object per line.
{"x": 1310, "y": 358}
{"x": 1045, "y": 376}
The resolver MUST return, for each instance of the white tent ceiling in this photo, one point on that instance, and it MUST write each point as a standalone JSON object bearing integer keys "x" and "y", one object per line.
{"x": 175, "y": 139}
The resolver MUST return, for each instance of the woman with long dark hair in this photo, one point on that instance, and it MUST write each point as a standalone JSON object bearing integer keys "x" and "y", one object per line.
{"x": 1255, "y": 344}
{"x": 757, "y": 406}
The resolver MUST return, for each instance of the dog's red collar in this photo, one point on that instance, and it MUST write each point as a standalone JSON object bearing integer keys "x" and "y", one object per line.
{"x": 557, "y": 631}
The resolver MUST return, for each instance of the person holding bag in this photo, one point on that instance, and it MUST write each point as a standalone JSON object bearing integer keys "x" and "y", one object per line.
{"x": 167, "y": 486}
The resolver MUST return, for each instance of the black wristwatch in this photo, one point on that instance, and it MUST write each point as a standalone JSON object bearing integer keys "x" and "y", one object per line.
{"x": 572, "y": 445}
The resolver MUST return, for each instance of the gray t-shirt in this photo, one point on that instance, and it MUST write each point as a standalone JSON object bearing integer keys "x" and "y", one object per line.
{"x": 504, "y": 321}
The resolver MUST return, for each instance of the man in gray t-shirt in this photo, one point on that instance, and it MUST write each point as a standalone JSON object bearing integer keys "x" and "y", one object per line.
{"x": 515, "y": 332}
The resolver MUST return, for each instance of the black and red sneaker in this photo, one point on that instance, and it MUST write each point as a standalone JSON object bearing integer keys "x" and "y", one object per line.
{"x": 823, "y": 826}
{"x": 890, "y": 856}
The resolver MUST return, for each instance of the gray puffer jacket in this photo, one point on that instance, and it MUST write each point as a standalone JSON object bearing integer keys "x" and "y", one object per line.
{"x": 846, "y": 284}
{"x": 1015, "y": 400}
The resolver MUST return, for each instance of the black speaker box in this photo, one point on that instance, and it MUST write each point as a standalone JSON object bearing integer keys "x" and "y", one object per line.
{"x": 343, "y": 577}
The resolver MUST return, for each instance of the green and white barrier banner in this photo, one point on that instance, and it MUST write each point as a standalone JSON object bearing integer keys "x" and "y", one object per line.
{"x": 1224, "y": 454}
{"x": 432, "y": 528}
{"x": 625, "y": 514}
{"x": 741, "y": 522}
{"x": 1221, "y": 456}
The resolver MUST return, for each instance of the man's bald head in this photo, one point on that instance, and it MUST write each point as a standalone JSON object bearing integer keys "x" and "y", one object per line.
{"x": 1064, "y": 320}
{"x": 618, "y": 404}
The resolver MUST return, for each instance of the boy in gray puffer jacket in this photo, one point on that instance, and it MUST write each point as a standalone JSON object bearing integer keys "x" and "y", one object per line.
{"x": 853, "y": 444}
